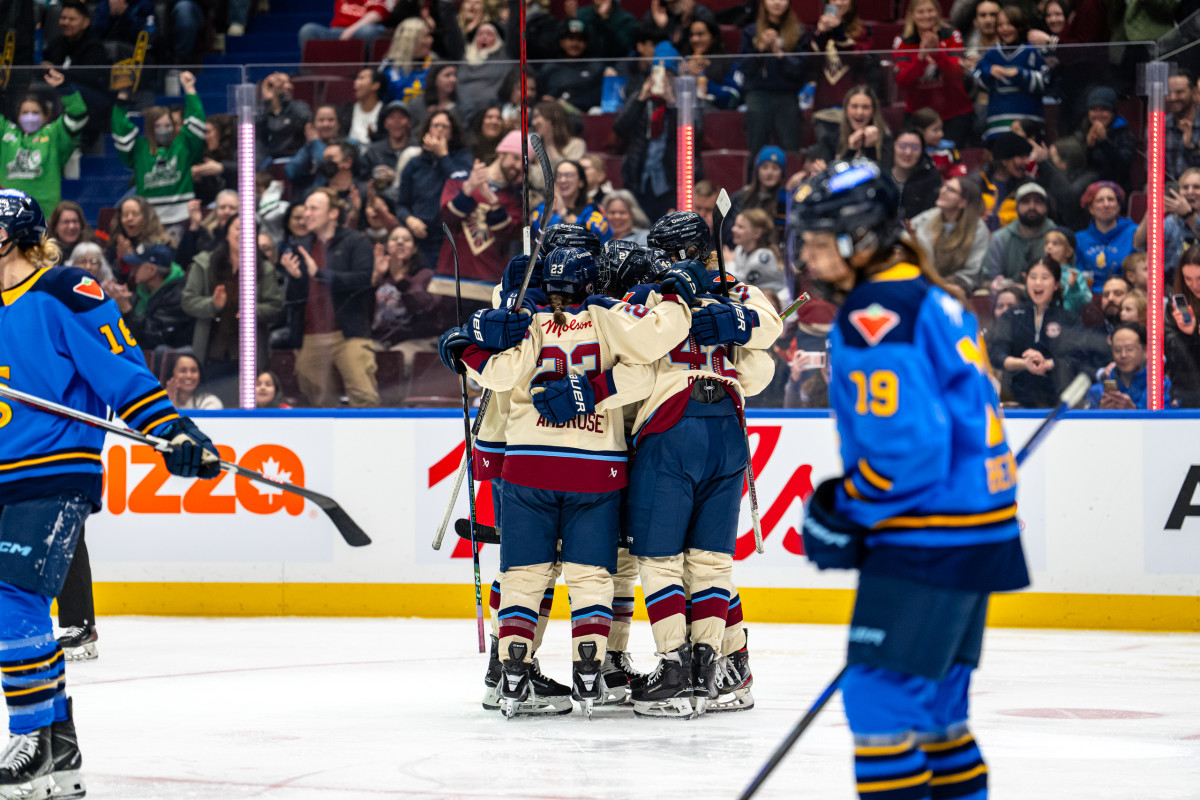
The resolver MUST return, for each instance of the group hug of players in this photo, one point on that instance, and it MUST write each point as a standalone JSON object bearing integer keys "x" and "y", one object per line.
{"x": 618, "y": 349}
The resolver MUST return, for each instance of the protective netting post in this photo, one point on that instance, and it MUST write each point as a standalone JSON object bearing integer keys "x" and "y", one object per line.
{"x": 1156, "y": 74}
{"x": 685, "y": 151}
{"x": 245, "y": 97}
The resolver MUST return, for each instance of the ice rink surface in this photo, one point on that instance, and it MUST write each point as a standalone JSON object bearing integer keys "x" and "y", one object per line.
{"x": 377, "y": 708}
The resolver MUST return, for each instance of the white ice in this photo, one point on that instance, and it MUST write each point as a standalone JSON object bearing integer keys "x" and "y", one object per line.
{"x": 377, "y": 708}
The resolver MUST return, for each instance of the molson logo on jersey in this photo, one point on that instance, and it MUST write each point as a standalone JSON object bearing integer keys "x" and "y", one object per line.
{"x": 149, "y": 495}
{"x": 573, "y": 324}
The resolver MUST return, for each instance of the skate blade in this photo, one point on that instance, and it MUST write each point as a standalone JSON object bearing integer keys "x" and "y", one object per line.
{"x": 615, "y": 697}
{"x": 740, "y": 700}
{"x": 674, "y": 708}
{"x": 85, "y": 652}
{"x": 36, "y": 789}
{"x": 67, "y": 785}
{"x": 491, "y": 699}
{"x": 536, "y": 706}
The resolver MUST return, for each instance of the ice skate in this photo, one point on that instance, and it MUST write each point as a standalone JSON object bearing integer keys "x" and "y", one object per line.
{"x": 619, "y": 676}
{"x": 26, "y": 766}
{"x": 66, "y": 782}
{"x": 79, "y": 643}
{"x": 667, "y": 692}
{"x": 704, "y": 677}
{"x": 491, "y": 678}
{"x": 587, "y": 684}
{"x": 734, "y": 680}
{"x": 514, "y": 679}
{"x": 546, "y": 696}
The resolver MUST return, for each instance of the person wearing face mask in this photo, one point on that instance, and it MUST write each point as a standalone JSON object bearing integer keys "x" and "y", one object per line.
{"x": 162, "y": 160}
{"x": 34, "y": 149}
{"x": 304, "y": 170}
{"x": 78, "y": 53}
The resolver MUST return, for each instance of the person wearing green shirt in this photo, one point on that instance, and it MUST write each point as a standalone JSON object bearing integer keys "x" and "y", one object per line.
{"x": 162, "y": 160}
{"x": 34, "y": 149}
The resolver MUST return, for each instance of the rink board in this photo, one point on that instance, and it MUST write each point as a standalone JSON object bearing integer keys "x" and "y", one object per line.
{"x": 1110, "y": 530}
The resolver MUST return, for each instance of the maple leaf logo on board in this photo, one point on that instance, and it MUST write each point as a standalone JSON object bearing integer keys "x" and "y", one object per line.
{"x": 271, "y": 469}
{"x": 89, "y": 288}
{"x": 874, "y": 322}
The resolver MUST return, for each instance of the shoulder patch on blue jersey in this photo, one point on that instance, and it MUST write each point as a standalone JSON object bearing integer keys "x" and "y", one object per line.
{"x": 73, "y": 287}
{"x": 874, "y": 322}
{"x": 864, "y": 325}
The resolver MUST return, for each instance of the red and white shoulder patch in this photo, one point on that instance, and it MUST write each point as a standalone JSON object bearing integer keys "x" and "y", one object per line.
{"x": 89, "y": 288}
{"x": 874, "y": 322}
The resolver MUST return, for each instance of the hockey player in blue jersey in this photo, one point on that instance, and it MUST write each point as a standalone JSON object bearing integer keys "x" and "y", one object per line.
{"x": 926, "y": 510}
{"x": 63, "y": 340}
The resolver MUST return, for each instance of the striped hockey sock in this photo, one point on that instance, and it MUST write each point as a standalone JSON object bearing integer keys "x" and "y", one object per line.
{"x": 35, "y": 689}
{"x": 543, "y": 617}
{"x": 517, "y": 623}
{"x": 958, "y": 768}
{"x": 709, "y": 607}
{"x": 494, "y": 607}
{"x": 618, "y": 637}
{"x": 735, "y": 636}
{"x": 667, "y": 608}
{"x": 892, "y": 771}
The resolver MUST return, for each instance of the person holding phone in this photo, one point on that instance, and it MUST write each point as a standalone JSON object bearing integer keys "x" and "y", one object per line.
{"x": 1181, "y": 226}
{"x": 1182, "y": 338}
{"x": 1123, "y": 385}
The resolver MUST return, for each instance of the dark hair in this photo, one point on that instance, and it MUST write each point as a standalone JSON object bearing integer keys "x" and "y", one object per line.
{"x": 348, "y": 151}
{"x": 1120, "y": 278}
{"x": 226, "y": 129}
{"x": 714, "y": 30}
{"x": 220, "y": 260}
{"x": 431, "y": 91}
{"x": 377, "y": 78}
{"x": 1055, "y": 270}
{"x": 1016, "y": 18}
{"x": 1017, "y": 291}
{"x": 1184, "y": 73}
{"x": 648, "y": 31}
{"x": 1136, "y": 327}
{"x": 336, "y": 116}
{"x": 175, "y": 358}
{"x": 278, "y": 398}
{"x": 510, "y": 82}
{"x": 86, "y": 234}
{"x": 456, "y": 140}
{"x": 1190, "y": 258}
{"x": 580, "y": 200}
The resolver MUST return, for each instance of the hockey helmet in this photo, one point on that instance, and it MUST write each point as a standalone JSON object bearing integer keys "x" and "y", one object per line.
{"x": 21, "y": 218}
{"x": 568, "y": 234}
{"x": 857, "y": 201}
{"x": 571, "y": 272}
{"x": 660, "y": 262}
{"x": 623, "y": 265}
{"x": 683, "y": 234}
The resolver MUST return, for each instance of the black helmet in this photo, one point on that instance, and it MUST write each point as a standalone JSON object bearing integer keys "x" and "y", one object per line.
{"x": 567, "y": 234}
{"x": 570, "y": 271}
{"x": 623, "y": 265}
{"x": 857, "y": 201}
{"x": 21, "y": 217}
{"x": 683, "y": 234}
{"x": 660, "y": 262}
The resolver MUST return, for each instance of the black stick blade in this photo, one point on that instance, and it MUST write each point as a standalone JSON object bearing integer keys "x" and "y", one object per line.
{"x": 484, "y": 534}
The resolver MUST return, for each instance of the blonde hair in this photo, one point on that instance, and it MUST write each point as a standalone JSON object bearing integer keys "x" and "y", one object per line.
{"x": 1138, "y": 297}
{"x": 404, "y": 41}
{"x": 43, "y": 255}
{"x": 951, "y": 248}
{"x": 910, "y": 18}
{"x": 790, "y": 29}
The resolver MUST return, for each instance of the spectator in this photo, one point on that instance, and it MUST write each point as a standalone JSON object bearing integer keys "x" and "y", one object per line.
{"x": 1109, "y": 141}
{"x": 270, "y": 207}
{"x": 295, "y": 232}
{"x": 471, "y": 17}
{"x": 1007, "y": 298}
{"x": 282, "y": 121}
{"x": 1014, "y": 75}
{"x": 218, "y": 169}
{"x": 1010, "y": 154}
{"x": 755, "y": 258}
{"x": 382, "y": 159}
{"x": 574, "y": 76}
{"x": 860, "y": 130}
{"x": 704, "y": 202}
{"x": 268, "y": 392}
{"x": 774, "y": 73}
{"x": 1035, "y": 344}
{"x": 596, "y": 172}
{"x": 134, "y": 228}
{"x": 418, "y": 204}
{"x": 954, "y": 234}
{"x": 1133, "y": 269}
{"x": 842, "y": 38}
{"x": 34, "y": 150}
{"x": 1182, "y": 340}
{"x": 407, "y": 315}
{"x": 203, "y": 233}
{"x": 153, "y": 310}
{"x": 570, "y": 204}
{"x": 1022, "y": 241}
{"x": 340, "y": 169}
{"x": 918, "y": 179}
{"x": 486, "y": 131}
{"x": 360, "y": 119}
{"x": 1066, "y": 176}
{"x": 408, "y": 59}
{"x": 121, "y": 20}
{"x": 715, "y": 73}
{"x": 1133, "y": 307}
{"x": 626, "y": 219}
{"x": 637, "y": 68}
{"x": 1060, "y": 245}
{"x": 941, "y": 152}
{"x": 765, "y": 191}
{"x": 549, "y": 120}
{"x": 484, "y": 70}
{"x": 510, "y": 94}
{"x": 983, "y": 35}
{"x": 185, "y": 387}
{"x": 304, "y": 168}
{"x": 610, "y": 28}
{"x": 929, "y": 72}
{"x": 440, "y": 94}
{"x": 1124, "y": 384}
{"x": 1104, "y": 244}
{"x": 212, "y": 296}
{"x": 329, "y": 292}
{"x": 352, "y": 19}
{"x": 89, "y": 256}
{"x": 1181, "y": 226}
{"x": 69, "y": 229}
{"x": 1182, "y": 126}
{"x": 79, "y": 54}
{"x": 672, "y": 18}
{"x": 1111, "y": 296}
{"x": 162, "y": 160}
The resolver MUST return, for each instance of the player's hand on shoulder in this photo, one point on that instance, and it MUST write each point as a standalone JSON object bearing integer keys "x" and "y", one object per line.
{"x": 498, "y": 328}
{"x": 192, "y": 454}
{"x": 685, "y": 279}
{"x": 830, "y": 540}
{"x": 724, "y": 323}
{"x": 564, "y": 399}
{"x": 451, "y": 346}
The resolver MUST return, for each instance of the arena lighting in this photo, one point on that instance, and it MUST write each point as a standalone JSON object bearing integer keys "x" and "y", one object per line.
{"x": 685, "y": 150}
{"x": 248, "y": 246}
{"x": 1156, "y": 88}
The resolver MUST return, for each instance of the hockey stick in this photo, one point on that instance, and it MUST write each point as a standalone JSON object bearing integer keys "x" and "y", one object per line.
{"x": 484, "y": 534}
{"x": 719, "y": 214}
{"x": 354, "y": 535}
{"x": 1070, "y": 396}
{"x": 466, "y": 403}
{"x": 539, "y": 150}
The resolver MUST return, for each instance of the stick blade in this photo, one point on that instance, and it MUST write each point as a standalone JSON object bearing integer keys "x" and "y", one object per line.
{"x": 723, "y": 203}
{"x": 1075, "y": 392}
{"x": 347, "y": 527}
{"x": 484, "y": 534}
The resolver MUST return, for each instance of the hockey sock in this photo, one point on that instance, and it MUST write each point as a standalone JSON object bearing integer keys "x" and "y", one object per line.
{"x": 31, "y": 662}
{"x": 662, "y": 581}
{"x": 591, "y": 592}
{"x": 895, "y": 770}
{"x": 494, "y": 607}
{"x": 711, "y": 582}
{"x": 623, "y": 583}
{"x": 735, "y": 634}
{"x": 543, "y": 617}
{"x": 957, "y": 765}
{"x": 522, "y": 591}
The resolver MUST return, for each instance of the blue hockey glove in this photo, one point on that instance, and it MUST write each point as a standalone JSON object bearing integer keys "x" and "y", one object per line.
{"x": 830, "y": 540}
{"x": 192, "y": 454}
{"x": 684, "y": 279}
{"x": 514, "y": 273}
{"x": 564, "y": 399}
{"x": 451, "y": 345}
{"x": 497, "y": 329}
{"x": 724, "y": 323}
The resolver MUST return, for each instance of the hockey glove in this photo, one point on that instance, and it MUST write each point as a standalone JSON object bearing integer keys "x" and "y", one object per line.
{"x": 497, "y": 329}
{"x": 684, "y": 279}
{"x": 192, "y": 454}
{"x": 514, "y": 274}
{"x": 451, "y": 346}
{"x": 830, "y": 540}
{"x": 724, "y": 323}
{"x": 565, "y": 399}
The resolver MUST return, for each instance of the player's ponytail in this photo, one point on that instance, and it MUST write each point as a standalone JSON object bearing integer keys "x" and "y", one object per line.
{"x": 557, "y": 304}
{"x": 43, "y": 255}
{"x": 711, "y": 263}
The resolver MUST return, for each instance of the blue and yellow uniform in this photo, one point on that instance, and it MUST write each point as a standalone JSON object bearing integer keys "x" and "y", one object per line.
{"x": 590, "y": 217}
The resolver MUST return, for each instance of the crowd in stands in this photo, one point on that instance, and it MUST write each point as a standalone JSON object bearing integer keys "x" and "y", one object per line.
{"x": 1018, "y": 148}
